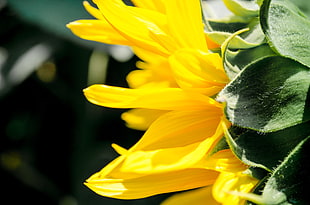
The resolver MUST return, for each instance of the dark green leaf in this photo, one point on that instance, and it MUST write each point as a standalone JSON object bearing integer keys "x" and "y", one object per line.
{"x": 254, "y": 148}
{"x": 235, "y": 61}
{"x": 230, "y": 25}
{"x": 268, "y": 95}
{"x": 287, "y": 29}
{"x": 237, "y": 56}
{"x": 289, "y": 181}
{"x": 247, "y": 39}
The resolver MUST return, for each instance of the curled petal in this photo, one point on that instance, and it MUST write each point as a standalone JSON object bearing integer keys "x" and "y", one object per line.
{"x": 178, "y": 140}
{"x": 195, "y": 69}
{"x": 224, "y": 161}
{"x": 180, "y": 128}
{"x": 228, "y": 183}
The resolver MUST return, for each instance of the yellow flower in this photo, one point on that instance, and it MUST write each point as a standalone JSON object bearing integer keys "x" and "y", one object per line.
{"x": 160, "y": 35}
{"x": 170, "y": 97}
{"x": 175, "y": 152}
{"x": 154, "y": 32}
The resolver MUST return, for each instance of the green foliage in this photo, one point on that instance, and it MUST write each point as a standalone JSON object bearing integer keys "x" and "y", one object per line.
{"x": 268, "y": 98}
{"x": 265, "y": 150}
{"x": 288, "y": 182}
{"x": 236, "y": 60}
{"x": 287, "y": 29}
{"x": 268, "y": 95}
{"x": 242, "y": 8}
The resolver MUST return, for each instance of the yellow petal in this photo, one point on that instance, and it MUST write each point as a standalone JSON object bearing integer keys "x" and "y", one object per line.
{"x": 150, "y": 4}
{"x": 97, "y": 30}
{"x": 229, "y": 182}
{"x": 161, "y": 98}
{"x": 185, "y": 23}
{"x": 149, "y": 56}
{"x": 202, "y": 196}
{"x": 120, "y": 150}
{"x": 149, "y": 185}
{"x": 141, "y": 119}
{"x": 149, "y": 78}
{"x": 93, "y": 11}
{"x": 156, "y": 71}
{"x": 165, "y": 39}
{"x": 180, "y": 128}
{"x": 222, "y": 161}
{"x": 176, "y": 140}
{"x": 194, "y": 69}
{"x": 134, "y": 23}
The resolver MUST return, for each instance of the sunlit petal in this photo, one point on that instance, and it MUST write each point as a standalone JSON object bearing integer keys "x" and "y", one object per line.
{"x": 223, "y": 161}
{"x": 185, "y": 23}
{"x": 162, "y": 98}
{"x": 195, "y": 69}
{"x": 144, "y": 186}
{"x": 93, "y": 11}
{"x": 134, "y": 23}
{"x": 97, "y": 30}
{"x": 141, "y": 119}
{"x": 229, "y": 182}
{"x": 150, "y": 4}
{"x": 180, "y": 128}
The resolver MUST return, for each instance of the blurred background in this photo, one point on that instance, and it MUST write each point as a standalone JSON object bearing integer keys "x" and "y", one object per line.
{"x": 51, "y": 138}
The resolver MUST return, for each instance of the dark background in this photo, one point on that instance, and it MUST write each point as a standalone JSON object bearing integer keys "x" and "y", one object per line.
{"x": 51, "y": 137}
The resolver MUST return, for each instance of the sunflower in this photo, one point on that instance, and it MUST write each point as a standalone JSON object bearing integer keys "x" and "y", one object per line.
{"x": 172, "y": 98}
{"x": 158, "y": 34}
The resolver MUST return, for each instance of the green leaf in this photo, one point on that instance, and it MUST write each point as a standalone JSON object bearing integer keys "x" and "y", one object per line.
{"x": 242, "y": 8}
{"x": 287, "y": 29}
{"x": 236, "y": 60}
{"x": 289, "y": 181}
{"x": 303, "y": 5}
{"x": 230, "y": 25}
{"x": 268, "y": 95}
{"x": 238, "y": 42}
{"x": 254, "y": 148}
{"x": 249, "y": 39}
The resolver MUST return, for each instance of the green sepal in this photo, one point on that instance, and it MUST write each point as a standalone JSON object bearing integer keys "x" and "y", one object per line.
{"x": 249, "y": 39}
{"x": 242, "y": 8}
{"x": 230, "y": 24}
{"x": 265, "y": 150}
{"x": 287, "y": 29}
{"x": 268, "y": 95}
{"x": 289, "y": 181}
{"x": 235, "y": 60}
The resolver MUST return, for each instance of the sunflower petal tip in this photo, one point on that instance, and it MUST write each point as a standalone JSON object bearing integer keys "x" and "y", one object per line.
{"x": 120, "y": 150}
